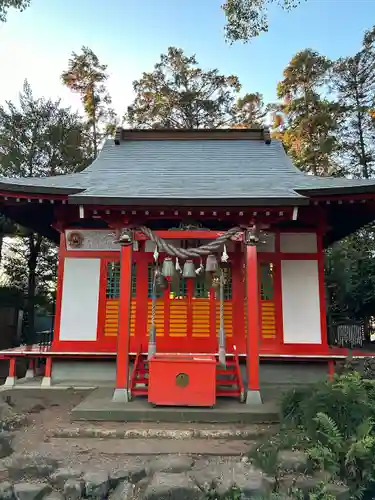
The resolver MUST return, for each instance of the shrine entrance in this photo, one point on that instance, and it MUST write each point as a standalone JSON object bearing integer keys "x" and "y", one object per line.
{"x": 187, "y": 313}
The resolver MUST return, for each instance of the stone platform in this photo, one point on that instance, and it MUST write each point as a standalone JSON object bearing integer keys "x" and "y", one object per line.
{"x": 98, "y": 406}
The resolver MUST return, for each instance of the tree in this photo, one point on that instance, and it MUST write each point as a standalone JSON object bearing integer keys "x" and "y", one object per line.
{"x": 38, "y": 137}
{"x": 311, "y": 120}
{"x": 20, "y": 252}
{"x": 5, "y": 5}
{"x": 350, "y": 264}
{"x": 87, "y": 76}
{"x": 247, "y": 19}
{"x": 249, "y": 111}
{"x": 179, "y": 94}
{"x": 350, "y": 276}
{"x": 354, "y": 84}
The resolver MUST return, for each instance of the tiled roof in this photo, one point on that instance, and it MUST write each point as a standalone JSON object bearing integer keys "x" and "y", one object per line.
{"x": 160, "y": 171}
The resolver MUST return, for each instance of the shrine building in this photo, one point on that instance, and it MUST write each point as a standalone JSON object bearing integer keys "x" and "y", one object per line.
{"x": 186, "y": 256}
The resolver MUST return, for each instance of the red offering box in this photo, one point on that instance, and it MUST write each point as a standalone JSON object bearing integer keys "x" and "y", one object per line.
{"x": 182, "y": 380}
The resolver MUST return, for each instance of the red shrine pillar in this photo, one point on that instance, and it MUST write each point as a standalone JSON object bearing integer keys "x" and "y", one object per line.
{"x": 121, "y": 393}
{"x": 253, "y": 324}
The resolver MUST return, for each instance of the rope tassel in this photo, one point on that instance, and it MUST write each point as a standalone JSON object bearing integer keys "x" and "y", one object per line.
{"x": 178, "y": 267}
{"x": 224, "y": 256}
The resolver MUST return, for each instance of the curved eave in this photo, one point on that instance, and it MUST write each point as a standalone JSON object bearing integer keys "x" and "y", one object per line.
{"x": 38, "y": 189}
{"x": 186, "y": 202}
{"x": 337, "y": 191}
{"x": 35, "y": 216}
{"x": 346, "y": 219}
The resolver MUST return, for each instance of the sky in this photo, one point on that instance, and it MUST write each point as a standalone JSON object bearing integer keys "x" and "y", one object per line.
{"x": 130, "y": 35}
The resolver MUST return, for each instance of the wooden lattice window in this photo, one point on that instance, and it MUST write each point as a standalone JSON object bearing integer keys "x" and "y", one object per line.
{"x": 228, "y": 283}
{"x": 178, "y": 287}
{"x": 201, "y": 289}
{"x": 266, "y": 281}
{"x": 113, "y": 280}
{"x": 159, "y": 293}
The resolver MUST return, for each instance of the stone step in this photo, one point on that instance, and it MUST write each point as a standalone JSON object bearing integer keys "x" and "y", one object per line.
{"x": 98, "y": 406}
{"x": 138, "y": 446}
{"x": 171, "y": 431}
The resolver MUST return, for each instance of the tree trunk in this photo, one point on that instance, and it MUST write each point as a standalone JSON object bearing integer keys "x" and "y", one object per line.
{"x": 94, "y": 130}
{"x": 34, "y": 249}
{"x": 362, "y": 158}
{"x": 1, "y": 246}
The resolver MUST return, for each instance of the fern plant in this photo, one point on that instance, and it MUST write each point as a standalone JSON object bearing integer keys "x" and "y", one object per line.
{"x": 321, "y": 493}
{"x": 265, "y": 456}
{"x": 334, "y": 422}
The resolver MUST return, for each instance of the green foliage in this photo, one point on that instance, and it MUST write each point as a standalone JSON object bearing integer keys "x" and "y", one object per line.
{"x": 264, "y": 455}
{"x": 291, "y": 405}
{"x": 338, "y": 421}
{"x": 320, "y": 493}
{"x": 86, "y": 76}
{"x": 248, "y": 18}
{"x": 353, "y": 81}
{"x": 350, "y": 276}
{"x": 5, "y": 5}
{"x": 179, "y": 94}
{"x": 40, "y": 138}
{"x": 326, "y": 120}
{"x": 11, "y": 296}
{"x": 311, "y": 118}
{"x": 234, "y": 493}
{"x": 16, "y": 267}
{"x": 249, "y": 111}
{"x": 345, "y": 400}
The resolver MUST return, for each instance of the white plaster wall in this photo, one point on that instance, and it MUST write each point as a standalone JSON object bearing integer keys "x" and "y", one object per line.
{"x": 301, "y": 304}
{"x": 298, "y": 243}
{"x": 80, "y": 299}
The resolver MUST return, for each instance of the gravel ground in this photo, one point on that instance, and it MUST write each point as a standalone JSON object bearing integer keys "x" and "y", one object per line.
{"x": 48, "y": 410}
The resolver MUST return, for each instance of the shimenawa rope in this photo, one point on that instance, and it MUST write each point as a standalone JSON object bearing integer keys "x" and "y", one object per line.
{"x": 188, "y": 253}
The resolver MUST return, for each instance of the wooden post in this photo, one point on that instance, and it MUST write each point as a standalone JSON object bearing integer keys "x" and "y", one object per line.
{"x": 253, "y": 325}
{"x": 46, "y": 380}
{"x": 121, "y": 393}
{"x": 331, "y": 369}
{"x": 30, "y": 372}
{"x": 11, "y": 378}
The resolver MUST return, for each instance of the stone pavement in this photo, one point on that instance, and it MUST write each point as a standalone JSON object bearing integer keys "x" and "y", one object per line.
{"x": 174, "y": 477}
{"x": 98, "y": 406}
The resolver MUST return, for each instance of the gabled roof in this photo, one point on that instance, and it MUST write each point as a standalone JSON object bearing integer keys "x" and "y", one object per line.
{"x": 166, "y": 167}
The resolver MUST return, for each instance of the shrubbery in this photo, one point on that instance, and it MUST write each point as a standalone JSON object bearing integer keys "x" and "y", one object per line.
{"x": 334, "y": 424}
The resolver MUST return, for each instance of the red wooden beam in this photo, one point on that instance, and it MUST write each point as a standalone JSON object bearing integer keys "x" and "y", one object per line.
{"x": 253, "y": 325}
{"x": 59, "y": 289}
{"x": 123, "y": 337}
